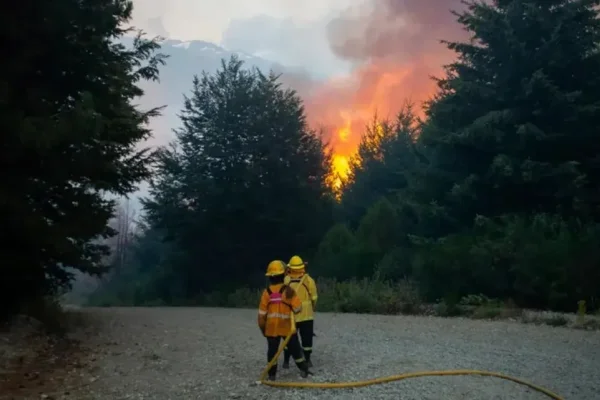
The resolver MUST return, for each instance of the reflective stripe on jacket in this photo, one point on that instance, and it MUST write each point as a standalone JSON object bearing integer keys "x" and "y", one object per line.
{"x": 307, "y": 291}
{"x": 274, "y": 317}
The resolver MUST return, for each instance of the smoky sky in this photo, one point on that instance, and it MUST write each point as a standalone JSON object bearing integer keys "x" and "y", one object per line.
{"x": 393, "y": 29}
{"x": 395, "y": 49}
{"x": 289, "y": 42}
{"x": 156, "y": 26}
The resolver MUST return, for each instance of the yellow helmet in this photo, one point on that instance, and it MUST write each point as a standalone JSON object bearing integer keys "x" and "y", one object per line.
{"x": 276, "y": 267}
{"x": 296, "y": 263}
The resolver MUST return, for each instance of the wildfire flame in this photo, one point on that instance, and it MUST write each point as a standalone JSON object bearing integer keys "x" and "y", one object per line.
{"x": 345, "y": 107}
{"x": 395, "y": 47}
{"x": 341, "y": 169}
{"x": 340, "y": 161}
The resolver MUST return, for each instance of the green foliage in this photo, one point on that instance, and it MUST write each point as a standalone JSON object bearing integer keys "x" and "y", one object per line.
{"x": 496, "y": 191}
{"x": 557, "y": 320}
{"x": 589, "y": 324}
{"x": 148, "y": 279}
{"x": 244, "y": 182}
{"x": 551, "y": 319}
{"x": 475, "y": 300}
{"x": 539, "y": 262}
{"x": 448, "y": 309}
{"x": 383, "y": 165}
{"x": 395, "y": 265}
{"x": 368, "y": 296}
{"x": 344, "y": 254}
{"x": 377, "y": 230}
{"x": 70, "y": 135}
{"x": 494, "y": 309}
{"x": 336, "y": 253}
{"x": 487, "y": 313}
{"x": 513, "y": 127}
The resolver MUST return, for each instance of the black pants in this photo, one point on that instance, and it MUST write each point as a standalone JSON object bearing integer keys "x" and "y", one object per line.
{"x": 294, "y": 348}
{"x": 305, "y": 331}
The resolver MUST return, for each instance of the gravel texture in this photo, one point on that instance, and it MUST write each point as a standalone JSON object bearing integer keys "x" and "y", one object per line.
{"x": 203, "y": 353}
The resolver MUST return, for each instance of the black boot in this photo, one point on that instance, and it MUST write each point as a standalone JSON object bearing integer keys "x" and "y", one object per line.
{"x": 272, "y": 373}
{"x": 286, "y": 359}
{"x": 304, "y": 369}
{"x": 308, "y": 362}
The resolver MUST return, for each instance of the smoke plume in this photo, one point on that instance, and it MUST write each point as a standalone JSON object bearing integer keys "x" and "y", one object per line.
{"x": 399, "y": 30}
{"x": 395, "y": 48}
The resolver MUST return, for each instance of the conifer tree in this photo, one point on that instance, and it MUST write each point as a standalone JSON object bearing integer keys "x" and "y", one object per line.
{"x": 514, "y": 126}
{"x": 70, "y": 133}
{"x": 385, "y": 160}
{"x": 243, "y": 183}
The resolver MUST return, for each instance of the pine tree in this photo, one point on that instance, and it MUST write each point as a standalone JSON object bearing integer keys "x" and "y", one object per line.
{"x": 514, "y": 126}
{"x": 244, "y": 182}
{"x": 69, "y": 137}
{"x": 385, "y": 161}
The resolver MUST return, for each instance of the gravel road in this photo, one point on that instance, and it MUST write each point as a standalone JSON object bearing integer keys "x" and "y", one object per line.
{"x": 204, "y": 353}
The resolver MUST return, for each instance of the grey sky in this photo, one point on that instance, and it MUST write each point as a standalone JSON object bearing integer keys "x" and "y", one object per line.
{"x": 207, "y": 19}
{"x": 291, "y": 32}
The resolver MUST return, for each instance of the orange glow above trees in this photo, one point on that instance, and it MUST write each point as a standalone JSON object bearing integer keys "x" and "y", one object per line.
{"x": 395, "y": 49}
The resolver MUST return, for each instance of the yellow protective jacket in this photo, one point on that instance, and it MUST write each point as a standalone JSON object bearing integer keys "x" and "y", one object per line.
{"x": 306, "y": 288}
{"x": 277, "y": 304}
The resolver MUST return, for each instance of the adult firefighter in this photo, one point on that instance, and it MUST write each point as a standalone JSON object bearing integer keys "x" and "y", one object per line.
{"x": 277, "y": 303}
{"x": 306, "y": 288}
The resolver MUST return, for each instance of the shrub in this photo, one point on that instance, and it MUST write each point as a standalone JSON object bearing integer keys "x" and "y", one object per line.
{"x": 395, "y": 265}
{"x": 546, "y": 319}
{"x": 589, "y": 324}
{"x": 244, "y": 298}
{"x": 475, "y": 300}
{"x": 487, "y": 312}
{"x": 445, "y": 309}
{"x": 543, "y": 262}
{"x": 368, "y": 296}
{"x": 335, "y": 256}
{"x": 556, "y": 320}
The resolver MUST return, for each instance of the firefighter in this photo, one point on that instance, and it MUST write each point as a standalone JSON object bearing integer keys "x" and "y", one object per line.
{"x": 306, "y": 288}
{"x": 277, "y": 303}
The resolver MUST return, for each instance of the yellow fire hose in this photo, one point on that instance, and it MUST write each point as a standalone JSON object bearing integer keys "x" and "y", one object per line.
{"x": 340, "y": 385}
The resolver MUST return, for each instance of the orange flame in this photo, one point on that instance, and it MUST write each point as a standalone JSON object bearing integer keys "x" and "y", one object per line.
{"x": 345, "y": 106}
{"x": 395, "y": 47}
{"x": 341, "y": 162}
{"x": 341, "y": 169}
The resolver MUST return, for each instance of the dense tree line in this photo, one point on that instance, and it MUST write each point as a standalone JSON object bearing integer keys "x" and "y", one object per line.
{"x": 494, "y": 192}
{"x": 70, "y": 132}
{"x": 244, "y": 181}
{"x": 499, "y": 192}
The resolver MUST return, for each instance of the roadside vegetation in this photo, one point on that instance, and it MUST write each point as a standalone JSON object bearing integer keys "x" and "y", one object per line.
{"x": 486, "y": 206}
